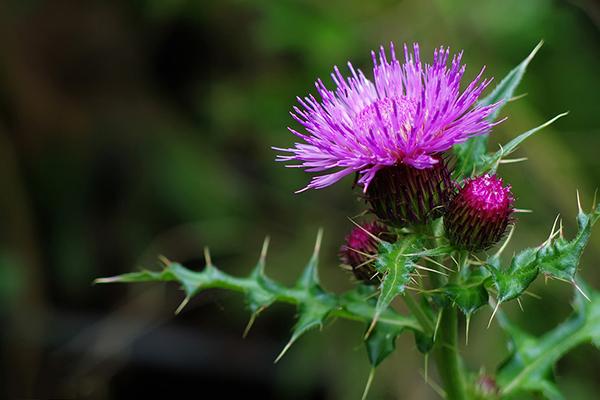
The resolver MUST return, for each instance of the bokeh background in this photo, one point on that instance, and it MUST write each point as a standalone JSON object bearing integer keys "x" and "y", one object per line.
{"x": 130, "y": 129}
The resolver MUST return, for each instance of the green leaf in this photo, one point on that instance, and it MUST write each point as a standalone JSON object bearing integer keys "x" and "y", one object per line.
{"x": 317, "y": 304}
{"x": 489, "y": 162}
{"x": 382, "y": 342}
{"x": 395, "y": 264}
{"x": 469, "y": 155}
{"x": 314, "y": 303}
{"x": 468, "y": 295}
{"x": 507, "y": 86}
{"x": 513, "y": 281}
{"x": 529, "y": 366}
{"x": 559, "y": 258}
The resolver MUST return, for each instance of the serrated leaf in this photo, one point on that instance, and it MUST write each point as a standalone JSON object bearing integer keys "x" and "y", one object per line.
{"x": 489, "y": 162}
{"x": 559, "y": 258}
{"x": 316, "y": 305}
{"x": 360, "y": 303}
{"x": 513, "y": 281}
{"x": 311, "y": 314}
{"x": 529, "y": 367}
{"x": 395, "y": 265}
{"x": 469, "y": 155}
{"x": 468, "y": 295}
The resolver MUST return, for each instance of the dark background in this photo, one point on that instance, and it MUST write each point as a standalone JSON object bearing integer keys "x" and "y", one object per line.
{"x": 130, "y": 129}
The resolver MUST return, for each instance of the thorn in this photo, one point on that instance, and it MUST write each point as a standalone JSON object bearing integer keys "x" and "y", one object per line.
{"x": 517, "y": 97}
{"x": 467, "y": 330}
{"x": 545, "y": 279}
{"x": 437, "y": 325}
{"x": 346, "y": 267}
{"x": 493, "y": 314}
{"x": 361, "y": 264}
{"x": 436, "y": 388}
{"x": 207, "y": 257}
{"x": 263, "y": 251}
{"x": 373, "y": 323}
{"x": 164, "y": 260}
{"x": 512, "y": 160}
{"x": 366, "y": 231}
{"x": 581, "y": 291}
{"x": 560, "y": 229}
{"x": 501, "y": 249}
{"x": 437, "y": 263}
{"x": 552, "y": 234}
{"x": 361, "y": 214}
{"x": 522, "y": 210}
{"x": 111, "y": 279}
{"x": 595, "y": 198}
{"x": 430, "y": 269}
{"x": 520, "y": 305}
{"x": 285, "y": 349}
{"x": 250, "y": 323}
{"x": 455, "y": 262}
{"x": 368, "y": 385}
{"x": 318, "y": 241}
{"x": 362, "y": 253}
{"x": 182, "y": 305}
{"x": 579, "y": 203}
{"x": 534, "y": 51}
{"x": 426, "y": 368}
{"x": 535, "y": 296}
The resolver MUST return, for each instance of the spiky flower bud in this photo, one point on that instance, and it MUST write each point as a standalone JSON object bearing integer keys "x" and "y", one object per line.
{"x": 478, "y": 215}
{"x": 403, "y": 195}
{"x": 360, "y": 250}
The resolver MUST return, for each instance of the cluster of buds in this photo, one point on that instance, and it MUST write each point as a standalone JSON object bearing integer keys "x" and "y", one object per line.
{"x": 476, "y": 212}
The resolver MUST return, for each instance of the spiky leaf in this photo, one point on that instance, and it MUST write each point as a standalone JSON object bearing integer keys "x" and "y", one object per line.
{"x": 513, "y": 281}
{"x": 529, "y": 367}
{"x": 489, "y": 162}
{"x": 468, "y": 294}
{"x": 469, "y": 155}
{"x": 560, "y": 258}
{"x": 395, "y": 264}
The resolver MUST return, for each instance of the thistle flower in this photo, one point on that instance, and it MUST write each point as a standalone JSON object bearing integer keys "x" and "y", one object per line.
{"x": 478, "y": 215}
{"x": 360, "y": 249}
{"x": 402, "y": 195}
{"x": 407, "y": 116}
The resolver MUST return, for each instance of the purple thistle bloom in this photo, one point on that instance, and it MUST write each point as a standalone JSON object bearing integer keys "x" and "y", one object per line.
{"x": 409, "y": 114}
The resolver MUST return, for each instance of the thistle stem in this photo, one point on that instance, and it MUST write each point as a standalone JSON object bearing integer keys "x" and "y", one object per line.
{"x": 419, "y": 314}
{"x": 448, "y": 360}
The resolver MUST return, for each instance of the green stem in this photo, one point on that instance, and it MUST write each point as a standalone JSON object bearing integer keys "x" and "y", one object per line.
{"x": 419, "y": 314}
{"x": 448, "y": 360}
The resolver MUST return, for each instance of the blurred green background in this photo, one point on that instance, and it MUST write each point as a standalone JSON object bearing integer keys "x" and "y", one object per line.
{"x": 135, "y": 128}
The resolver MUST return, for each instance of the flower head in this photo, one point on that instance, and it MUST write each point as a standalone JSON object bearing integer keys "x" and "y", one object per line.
{"x": 402, "y": 195}
{"x": 410, "y": 113}
{"x": 478, "y": 215}
{"x": 361, "y": 247}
